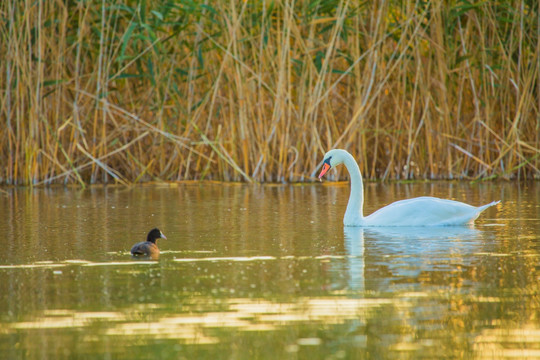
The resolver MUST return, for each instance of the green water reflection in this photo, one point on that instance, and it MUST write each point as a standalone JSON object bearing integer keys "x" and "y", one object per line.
{"x": 266, "y": 272}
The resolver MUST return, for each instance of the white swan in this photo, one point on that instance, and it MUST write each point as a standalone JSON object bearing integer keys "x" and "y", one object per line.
{"x": 420, "y": 211}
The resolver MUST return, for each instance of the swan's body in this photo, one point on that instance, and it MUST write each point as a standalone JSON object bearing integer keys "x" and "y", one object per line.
{"x": 420, "y": 211}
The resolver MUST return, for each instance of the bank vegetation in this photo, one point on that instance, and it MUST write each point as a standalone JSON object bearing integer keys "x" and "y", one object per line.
{"x": 123, "y": 91}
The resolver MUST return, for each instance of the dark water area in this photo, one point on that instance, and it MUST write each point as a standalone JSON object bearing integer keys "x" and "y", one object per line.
{"x": 267, "y": 272}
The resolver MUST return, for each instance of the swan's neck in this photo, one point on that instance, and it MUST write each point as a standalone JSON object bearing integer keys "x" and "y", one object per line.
{"x": 354, "y": 212}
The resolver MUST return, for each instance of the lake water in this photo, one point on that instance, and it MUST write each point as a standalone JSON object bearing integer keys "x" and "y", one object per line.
{"x": 266, "y": 272}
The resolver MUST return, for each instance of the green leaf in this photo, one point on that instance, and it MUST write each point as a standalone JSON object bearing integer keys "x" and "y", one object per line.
{"x": 126, "y": 38}
{"x": 52, "y": 82}
{"x": 157, "y": 14}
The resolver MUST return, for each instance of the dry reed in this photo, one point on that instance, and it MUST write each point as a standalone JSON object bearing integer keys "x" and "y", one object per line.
{"x": 128, "y": 91}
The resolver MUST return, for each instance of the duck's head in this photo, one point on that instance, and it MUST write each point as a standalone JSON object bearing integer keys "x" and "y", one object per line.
{"x": 155, "y": 234}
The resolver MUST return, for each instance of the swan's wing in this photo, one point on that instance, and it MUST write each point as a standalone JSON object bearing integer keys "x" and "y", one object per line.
{"x": 424, "y": 211}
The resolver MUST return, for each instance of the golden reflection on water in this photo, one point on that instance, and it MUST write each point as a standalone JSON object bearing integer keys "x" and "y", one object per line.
{"x": 75, "y": 262}
{"x": 270, "y": 266}
{"x": 262, "y": 315}
{"x": 51, "y": 265}
{"x": 508, "y": 343}
{"x": 241, "y": 313}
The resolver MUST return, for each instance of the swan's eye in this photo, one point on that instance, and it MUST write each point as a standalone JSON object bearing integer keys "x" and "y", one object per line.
{"x": 327, "y": 161}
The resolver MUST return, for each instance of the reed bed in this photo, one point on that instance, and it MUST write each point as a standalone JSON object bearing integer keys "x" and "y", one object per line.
{"x": 121, "y": 91}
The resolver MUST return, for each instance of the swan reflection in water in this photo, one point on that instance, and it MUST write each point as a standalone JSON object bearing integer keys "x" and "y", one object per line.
{"x": 406, "y": 251}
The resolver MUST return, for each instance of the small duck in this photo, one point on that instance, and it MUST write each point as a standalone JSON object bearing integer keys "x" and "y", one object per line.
{"x": 148, "y": 248}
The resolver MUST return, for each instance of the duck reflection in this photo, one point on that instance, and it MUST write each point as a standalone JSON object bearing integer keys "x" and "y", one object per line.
{"x": 392, "y": 253}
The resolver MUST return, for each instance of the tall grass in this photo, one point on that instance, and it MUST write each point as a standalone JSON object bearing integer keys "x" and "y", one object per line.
{"x": 128, "y": 91}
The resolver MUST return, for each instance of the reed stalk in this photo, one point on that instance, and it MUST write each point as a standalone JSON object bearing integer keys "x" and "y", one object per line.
{"x": 124, "y": 91}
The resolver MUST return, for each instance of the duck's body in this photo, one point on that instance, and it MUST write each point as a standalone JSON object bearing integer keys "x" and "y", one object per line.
{"x": 148, "y": 248}
{"x": 420, "y": 211}
{"x": 145, "y": 248}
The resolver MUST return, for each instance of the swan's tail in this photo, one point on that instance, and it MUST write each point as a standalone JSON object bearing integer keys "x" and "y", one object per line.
{"x": 484, "y": 207}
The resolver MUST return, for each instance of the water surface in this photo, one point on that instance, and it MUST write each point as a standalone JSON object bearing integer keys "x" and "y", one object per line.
{"x": 266, "y": 272}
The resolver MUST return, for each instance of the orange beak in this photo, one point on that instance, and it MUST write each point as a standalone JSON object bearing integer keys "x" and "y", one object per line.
{"x": 325, "y": 168}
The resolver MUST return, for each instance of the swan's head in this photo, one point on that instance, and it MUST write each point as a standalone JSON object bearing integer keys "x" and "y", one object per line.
{"x": 332, "y": 159}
